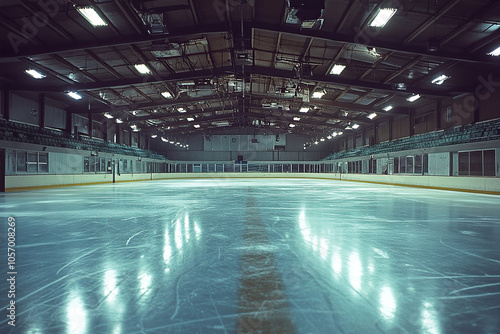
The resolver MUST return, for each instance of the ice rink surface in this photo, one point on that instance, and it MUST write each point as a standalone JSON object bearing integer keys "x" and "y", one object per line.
{"x": 252, "y": 256}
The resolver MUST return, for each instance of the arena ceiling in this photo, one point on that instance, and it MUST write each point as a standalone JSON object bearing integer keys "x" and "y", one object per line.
{"x": 212, "y": 64}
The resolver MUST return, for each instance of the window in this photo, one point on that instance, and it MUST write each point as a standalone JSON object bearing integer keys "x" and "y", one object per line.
{"x": 463, "y": 163}
{"x": 418, "y": 164}
{"x": 476, "y": 163}
{"x": 92, "y": 165}
{"x": 21, "y": 161}
{"x": 409, "y": 164}
{"x": 402, "y": 166}
{"x": 43, "y": 162}
{"x": 32, "y": 162}
{"x": 103, "y": 165}
{"x": 489, "y": 163}
{"x": 86, "y": 164}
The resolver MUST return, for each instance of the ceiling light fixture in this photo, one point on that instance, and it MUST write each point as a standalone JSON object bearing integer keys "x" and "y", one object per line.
{"x": 329, "y": 137}
{"x": 291, "y": 125}
{"x": 304, "y": 109}
{"x": 35, "y": 74}
{"x": 318, "y": 94}
{"x": 355, "y": 126}
{"x": 440, "y": 79}
{"x": 387, "y": 108}
{"x": 383, "y": 16}
{"x": 167, "y": 95}
{"x": 413, "y": 98}
{"x": 154, "y": 136}
{"x": 372, "y": 115}
{"x": 197, "y": 126}
{"x": 92, "y": 16}
{"x": 337, "y": 69}
{"x": 181, "y": 109}
{"x": 190, "y": 119}
{"x": 74, "y": 95}
{"x": 142, "y": 69}
{"x": 495, "y": 53}
{"x": 119, "y": 120}
{"x": 296, "y": 119}
{"x": 108, "y": 115}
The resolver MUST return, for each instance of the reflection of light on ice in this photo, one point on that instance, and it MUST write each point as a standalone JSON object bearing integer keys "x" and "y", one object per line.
{"x": 323, "y": 248}
{"x": 355, "y": 271}
{"x": 304, "y": 229}
{"x": 178, "y": 235}
{"x": 186, "y": 227}
{"x": 387, "y": 303}
{"x": 144, "y": 282}
{"x": 76, "y": 315}
{"x": 110, "y": 288}
{"x": 197, "y": 230}
{"x": 430, "y": 323}
{"x": 167, "y": 250}
{"x": 117, "y": 329}
{"x": 336, "y": 262}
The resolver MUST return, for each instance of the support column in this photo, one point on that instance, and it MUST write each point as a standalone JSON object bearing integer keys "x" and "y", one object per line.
{"x": 2, "y": 171}
{"x": 118, "y": 134}
{"x": 69, "y": 123}
{"x": 91, "y": 124}
{"x": 438, "y": 115}
{"x": 41, "y": 109}
{"x": 6, "y": 105}
{"x": 412, "y": 121}
{"x": 390, "y": 128}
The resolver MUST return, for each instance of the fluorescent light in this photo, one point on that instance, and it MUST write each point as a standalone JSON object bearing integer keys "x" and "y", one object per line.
{"x": 91, "y": 15}
{"x": 355, "y": 126}
{"x": 167, "y": 95}
{"x": 329, "y": 137}
{"x": 181, "y": 109}
{"x": 440, "y": 79}
{"x": 35, "y": 74}
{"x": 74, "y": 95}
{"x": 383, "y": 16}
{"x": 318, "y": 94}
{"x": 197, "y": 126}
{"x": 337, "y": 69}
{"x": 190, "y": 119}
{"x": 291, "y": 125}
{"x": 495, "y": 52}
{"x": 413, "y": 98}
{"x": 372, "y": 115}
{"x": 387, "y": 108}
{"x": 154, "y": 136}
{"x": 339, "y": 133}
{"x": 304, "y": 109}
{"x": 108, "y": 115}
{"x": 322, "y": 139}
{"x": 163, "y": 139}
{"x": 316, "y": 142}
{"x": 142, "y": 69}
{"x": 296, "y": 119}
{"x": 119, "y": 120}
